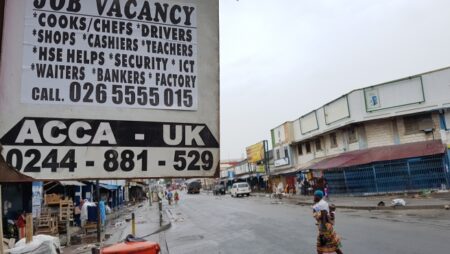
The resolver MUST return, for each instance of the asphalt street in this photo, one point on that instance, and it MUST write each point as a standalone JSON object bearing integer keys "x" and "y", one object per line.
{"x": 220, "y": 224}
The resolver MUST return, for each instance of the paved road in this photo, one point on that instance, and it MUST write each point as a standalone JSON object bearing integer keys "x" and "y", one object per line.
{"x": 209, "y": 224}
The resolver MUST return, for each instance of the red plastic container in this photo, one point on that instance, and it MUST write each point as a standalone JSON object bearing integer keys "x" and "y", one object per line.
{"x": 133, "y": 248}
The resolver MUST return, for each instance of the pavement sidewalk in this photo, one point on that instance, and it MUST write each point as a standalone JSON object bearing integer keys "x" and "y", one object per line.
{"x": 119, "y": 226}
{"x": 436, "y": 200}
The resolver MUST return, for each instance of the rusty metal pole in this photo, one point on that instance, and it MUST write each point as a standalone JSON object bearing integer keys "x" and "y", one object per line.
{"x": 160, "y": 213}
{"x": 133, "y": 224}
{"x": 1, "y": 221}
{"x": 68, "y": 231}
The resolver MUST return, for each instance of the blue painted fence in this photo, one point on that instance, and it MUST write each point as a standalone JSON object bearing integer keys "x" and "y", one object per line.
{"x": 390, "y": 176}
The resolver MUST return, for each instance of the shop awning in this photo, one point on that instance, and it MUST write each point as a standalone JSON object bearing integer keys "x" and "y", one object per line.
{"x": 138, "y": 184}
{"x": 10, "y": 175}
{"x": 110, "y": 187}
{"x": 71, "y": 183}
{"x": 383, "y": 153}
{"x": 284, "y": 172}
{"x": 307, "y": 165}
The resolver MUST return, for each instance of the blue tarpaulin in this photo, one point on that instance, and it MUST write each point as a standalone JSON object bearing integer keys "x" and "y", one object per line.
{"x": 109, "y": 186}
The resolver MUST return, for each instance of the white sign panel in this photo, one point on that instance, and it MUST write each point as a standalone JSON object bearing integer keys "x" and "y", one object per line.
{"x": 308, "y": 123}
{"x": 395, "y": 94}
{"x": 110, "y": 53}
{"x": 110, "y": 88}
{"x": 336, "y": 110}
{"x": 281, "y": 162}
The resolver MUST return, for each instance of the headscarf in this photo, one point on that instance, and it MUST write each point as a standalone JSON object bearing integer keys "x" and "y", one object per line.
{"x": 318, "y": 193}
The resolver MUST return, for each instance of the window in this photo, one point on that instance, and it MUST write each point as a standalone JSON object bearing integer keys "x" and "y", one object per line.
{"x": 308, "y": 147}
{"x": 278, "y": 154}
{"x": 417, "y": 123}
{"x": 300, "y": 149}
{"x": 318, "y": 144}
{"x": 333, "y": 140}
{"x": 352, "y": 135}
{"x": 286, "y": 155}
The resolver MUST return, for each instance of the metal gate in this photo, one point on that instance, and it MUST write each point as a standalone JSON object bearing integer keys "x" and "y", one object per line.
{"x": 390, "y": 176}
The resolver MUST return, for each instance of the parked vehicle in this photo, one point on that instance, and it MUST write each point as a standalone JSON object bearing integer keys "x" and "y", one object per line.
{"x": 219, "y": 189}
{"x": 240, "y": 189}
{"x": 194, "y": 188}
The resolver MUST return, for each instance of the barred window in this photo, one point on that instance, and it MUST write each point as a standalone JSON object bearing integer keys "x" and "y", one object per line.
{"x": 333, "y": 140}
{"x": 308, "y": 147}
{"x": 300, "y": 149}
{"x": 352, "y": 135}
{"x": 417, "y": 123}
{"x": 318, "y": 144}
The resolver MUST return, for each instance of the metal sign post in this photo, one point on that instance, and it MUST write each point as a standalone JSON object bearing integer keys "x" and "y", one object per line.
{"x": 1, "y": 221}
{"x": 99, "y": 220}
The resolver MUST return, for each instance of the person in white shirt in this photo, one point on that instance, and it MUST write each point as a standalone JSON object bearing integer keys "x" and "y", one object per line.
{"x": 319, "y": 203}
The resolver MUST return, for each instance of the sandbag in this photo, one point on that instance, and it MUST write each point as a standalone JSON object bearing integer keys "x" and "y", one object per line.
{"x": 41, "y": 244}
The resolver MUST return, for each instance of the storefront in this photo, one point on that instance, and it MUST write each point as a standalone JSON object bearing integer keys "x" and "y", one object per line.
{"x": 404, "y": 167}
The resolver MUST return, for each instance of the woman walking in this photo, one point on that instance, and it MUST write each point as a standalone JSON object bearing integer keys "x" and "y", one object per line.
{"x": 327, "y": 240}
{"x": 177, "y": 197}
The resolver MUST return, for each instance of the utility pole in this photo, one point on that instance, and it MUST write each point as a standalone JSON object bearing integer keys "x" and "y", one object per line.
{"x": 266, "y": 161}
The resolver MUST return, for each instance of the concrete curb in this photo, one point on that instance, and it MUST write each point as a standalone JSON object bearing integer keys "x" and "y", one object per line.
{"x": 362, "y": 207}
{"x": 414, "y": 207}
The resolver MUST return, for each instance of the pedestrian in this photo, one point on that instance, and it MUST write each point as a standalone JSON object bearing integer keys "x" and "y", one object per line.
{"x": 325, "y": 189}
{"x": 319, "y": 203}
{"x": 21, "y": 223}
{"x": 304, "y": 186}
{"x": 77, "y": 214}
{"x": 327, "y": 239}
{"x": 177, "y": 197}
{"x": 169, "y": 197}
{"x": 280, "y": 190}
{"x": 332, "y": 216}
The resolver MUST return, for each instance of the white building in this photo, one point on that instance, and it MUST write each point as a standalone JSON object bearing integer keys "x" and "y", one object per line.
{"x": 368, "y": 139}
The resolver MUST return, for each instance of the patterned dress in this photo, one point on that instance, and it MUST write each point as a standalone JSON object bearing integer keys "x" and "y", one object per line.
{"x": 327, "y": 239}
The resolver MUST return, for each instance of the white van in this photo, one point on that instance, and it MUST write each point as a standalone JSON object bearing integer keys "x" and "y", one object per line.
{"x": 240, "y": 189}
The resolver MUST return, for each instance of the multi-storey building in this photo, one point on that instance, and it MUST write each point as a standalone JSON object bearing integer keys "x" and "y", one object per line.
{"x": 388, "y": 137}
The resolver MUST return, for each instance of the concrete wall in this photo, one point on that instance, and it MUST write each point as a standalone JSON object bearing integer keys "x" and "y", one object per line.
{"x": 282, "y": 134}
{"x": 379, "y": 133}
{"x": 445, "y": 132}
{"x": 420, "y": 136}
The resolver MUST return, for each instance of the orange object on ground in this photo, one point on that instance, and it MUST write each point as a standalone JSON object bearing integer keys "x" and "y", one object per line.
{"x": 133, "y": 248}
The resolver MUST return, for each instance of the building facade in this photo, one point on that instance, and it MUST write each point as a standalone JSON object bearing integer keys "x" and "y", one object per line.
{"x": 388, "y": 137}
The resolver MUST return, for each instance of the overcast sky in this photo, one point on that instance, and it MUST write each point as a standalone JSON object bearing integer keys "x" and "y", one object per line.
{"x": 281, "y": 59}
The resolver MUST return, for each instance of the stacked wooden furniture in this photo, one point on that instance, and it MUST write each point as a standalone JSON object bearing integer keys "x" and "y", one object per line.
{"x": 52, "y": 199}
{"x": 46, "y": 223}
{"x": 58, "y": 211}
{"x": 65, "y": 213}
{"x": 90, "y": 227}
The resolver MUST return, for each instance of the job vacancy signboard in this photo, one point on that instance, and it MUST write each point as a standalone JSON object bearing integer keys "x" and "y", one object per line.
{"x": 110, "y": 88}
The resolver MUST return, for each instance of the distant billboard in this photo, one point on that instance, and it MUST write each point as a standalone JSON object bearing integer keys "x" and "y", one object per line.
{"x": 260, "y": 168}
{"x": 255, "y": 152}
